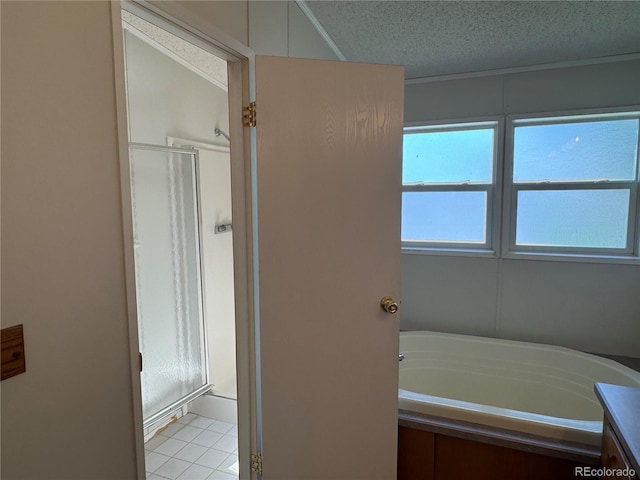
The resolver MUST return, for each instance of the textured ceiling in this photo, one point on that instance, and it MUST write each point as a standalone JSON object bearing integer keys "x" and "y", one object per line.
{"x": 444, "y": 37}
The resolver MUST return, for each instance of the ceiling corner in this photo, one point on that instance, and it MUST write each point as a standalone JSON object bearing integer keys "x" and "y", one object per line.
{"x": 302, "y": 4}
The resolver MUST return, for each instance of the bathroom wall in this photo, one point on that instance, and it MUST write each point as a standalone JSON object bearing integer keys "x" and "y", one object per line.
{"x": 71, "y": 415}
{"x": 587, "y": 306}
{"x": 166, "y": 98}
{"x": 280, "y": 28}
{"x": 267, "y": 27}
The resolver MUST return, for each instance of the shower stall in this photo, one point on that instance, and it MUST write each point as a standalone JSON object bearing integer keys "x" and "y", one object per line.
{"x": 169, "y": 283}
{"x": 180, "y": 177}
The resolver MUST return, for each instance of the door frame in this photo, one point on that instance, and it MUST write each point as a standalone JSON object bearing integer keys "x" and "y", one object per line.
{"x": 241, "y": 65}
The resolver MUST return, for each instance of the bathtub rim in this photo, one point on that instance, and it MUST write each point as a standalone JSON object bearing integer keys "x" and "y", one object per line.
{"x": 584, "y": 432}
{"x": 568, "y": 450}
{"x": 529, "y": 344}
{"x": 577, "y": 432}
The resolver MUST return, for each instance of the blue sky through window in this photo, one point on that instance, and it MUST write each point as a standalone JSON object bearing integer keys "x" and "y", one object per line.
{"x": 447, "y": 157}
{"x": 573, "y": 218}
{"x": 453, "y": 156}
{"x": 595, "y": 150}
{"x": 444, "y": 216}
{"x": 576, "y": 151}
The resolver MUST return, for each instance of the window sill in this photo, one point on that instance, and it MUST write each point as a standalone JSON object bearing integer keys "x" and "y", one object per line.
{"x": 574, "y": 258}
{"x": 450, "y": 252}
{"x": 535, "y": 256}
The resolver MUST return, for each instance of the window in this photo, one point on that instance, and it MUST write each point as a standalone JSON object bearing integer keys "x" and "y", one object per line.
{"x": 448, "y": 186}
{"x": 574, "y": 184}
{"x": 570, "y": 187}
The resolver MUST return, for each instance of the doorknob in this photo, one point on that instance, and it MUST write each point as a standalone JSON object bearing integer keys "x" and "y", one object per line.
{"x": 389, "y": 305}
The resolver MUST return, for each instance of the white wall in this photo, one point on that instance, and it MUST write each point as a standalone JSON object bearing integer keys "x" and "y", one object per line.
{"x": 70, "y": 416}
{"x": 268, "y": 27}
{"x": 166, "y": 98}
{"x": 217, "y": 251}
{"x": 591, "y": 307}
{"x": 230, "y": 17}
{"x": 280, "y": 28}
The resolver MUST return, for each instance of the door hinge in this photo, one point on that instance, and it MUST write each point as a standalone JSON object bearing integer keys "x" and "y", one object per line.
{"x": 140, "y": 358}
{"x": 249, "y": 115}
{"x": 256, "y": 463}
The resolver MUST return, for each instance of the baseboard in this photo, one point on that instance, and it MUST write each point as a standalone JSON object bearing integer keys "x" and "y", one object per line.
{"x": 220, "y": 408}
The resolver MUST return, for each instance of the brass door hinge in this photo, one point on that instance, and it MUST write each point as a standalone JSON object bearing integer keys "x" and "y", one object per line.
{"x": 140, "y": 358}
{"x": 249, "y": 115}
{"x": 256, "y": 463}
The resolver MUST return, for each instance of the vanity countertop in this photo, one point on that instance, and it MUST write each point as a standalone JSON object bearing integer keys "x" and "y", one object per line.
{"x": 622, "y": 407}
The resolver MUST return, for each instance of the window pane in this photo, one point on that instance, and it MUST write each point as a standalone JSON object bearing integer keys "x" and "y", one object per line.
{"x": 576, "y": 151}
{"x": 444, "y": 216}
{"x": 573, "y": 218}
{"x": 453, "y": 156}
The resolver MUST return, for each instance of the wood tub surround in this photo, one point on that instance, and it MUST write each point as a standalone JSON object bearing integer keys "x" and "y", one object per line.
{"x": 433, "y": 448}
{"x": 621, "y": 433}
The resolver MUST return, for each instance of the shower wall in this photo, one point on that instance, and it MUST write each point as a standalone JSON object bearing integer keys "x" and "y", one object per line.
{"x": 217, "y": 251}
{"x": 165, "y": 98}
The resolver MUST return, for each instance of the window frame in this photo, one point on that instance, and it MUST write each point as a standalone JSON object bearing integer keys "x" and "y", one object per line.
{"x": 493, "y": 190}
{"x": 628, "y": 254}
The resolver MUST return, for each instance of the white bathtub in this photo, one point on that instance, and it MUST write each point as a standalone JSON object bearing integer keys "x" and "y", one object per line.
{"x": 525, "y": 387}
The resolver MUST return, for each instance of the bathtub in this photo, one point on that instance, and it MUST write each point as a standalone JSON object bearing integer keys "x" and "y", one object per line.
{"x": 529, "y": 388}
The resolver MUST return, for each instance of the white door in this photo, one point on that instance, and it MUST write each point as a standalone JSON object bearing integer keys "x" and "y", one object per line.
{"x": 329, "y": 141}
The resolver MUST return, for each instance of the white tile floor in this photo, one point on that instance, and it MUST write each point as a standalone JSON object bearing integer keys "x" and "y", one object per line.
{"x": 193, "y": 448}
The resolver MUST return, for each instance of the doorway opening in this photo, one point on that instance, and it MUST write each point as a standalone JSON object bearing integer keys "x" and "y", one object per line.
{"x": 183, "y": 251}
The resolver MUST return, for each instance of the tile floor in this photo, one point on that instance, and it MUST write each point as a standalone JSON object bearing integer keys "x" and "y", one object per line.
{"x": 193, "y": 448}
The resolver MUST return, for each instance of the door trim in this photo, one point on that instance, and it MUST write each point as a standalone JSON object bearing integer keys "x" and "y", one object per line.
{"x": 127, "y": 228}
